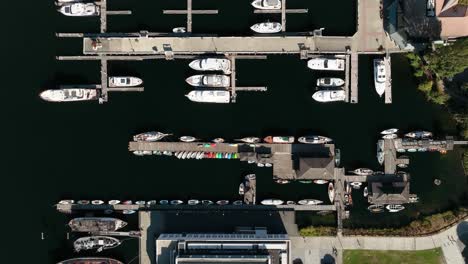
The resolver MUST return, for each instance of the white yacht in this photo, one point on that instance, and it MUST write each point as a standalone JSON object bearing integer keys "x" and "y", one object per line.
{"x": 179, "y": 30}
{"x": 389, "y": 131}
{"x": 209, "y": 80}
{"x": 266, "y": 27}
{"x": 390, "y": 136}
{"x": 69, "y": 95}
{"x": 150, "y": 136}
{"x": 379, "y": 76}
{"x": 124, "y": 81}
{"x": 325, "y": 96}
{"x": 363, "y": 171}
{"x": 315, "y": 140}
{"x": 215, "y": 96}
{"x": 326, "y": 64}
{"x": 79, "y": 9}
{"x": 267, "y": 4}
{"x": 309, "y": 202}
{"x": 331, "y": 192}
{"x": 330, "y": 82}
{"x": 393, "y": 208}
{"x": 272, "y": 202}
{"x": 211, "y": 64}
{"x": 187, "y": 139}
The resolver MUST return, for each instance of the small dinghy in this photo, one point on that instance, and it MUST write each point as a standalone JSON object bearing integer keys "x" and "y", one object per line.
{"x": 187, "y": 139}
{"x": 127, "y": 202}
{"x": 193, "y": 202}
{"x": 179, "y": 30}
{"x": 151, "y": 202}
{"x": 140, "y": 202}
{"x": 320, "y": 181}
{"x": 390, "y": 136}
{"x": 266, "y": 27}
{"x": 272, "y": 202}
{"x": 309, "y": 202}
{"x": 211, "y": 64}
{"x": 330, "y": 82}
{"x": 249, "y": 140}
{"x": 209, "y": 80}
{"x": 222, "y": 202}
{"x": 282, "y": 181}
{"x": 380, "y": 157}
{"x": 184, "y": 155}
{"x": 412, "y": 150}
{"x": 150, "y": 136}
{"x": 315, "y": 140}
{"x": 128, "y": 212}
{"x": 402, "y": 165}
{"x": 176, "y": 202}
{"x": 79, "y": 9}
{"x": 207, "y": 202}
{"x": 218, "y": 140}
{"x": 363, "y": 172}
{"x": 356, "y": 185}
{"x": 366, "y": 192}
{"x": 278, "y": 140}
{"x": 326, "y": 96}
{"x": 290, "y": 202}
{"x": 267, "y": 4}
{"x": 419, "y": 134}
{"x": 99, "y": 243}
{"x": 331, "y": 192}
{"x": 238, "y": 202}
{"x": 241, "y": 188}
{"x": 97, "y": 202}
{"x": 83, "y": 202}
{"x": 66, "y": 202}
{"x": 305, "y": 181}
{"x": 164, "y": 202}
{"x": 393, "y": 208}
{"x": 389, "y": 131}
{"x": 124, "y": 81}
{"x": 376, "y": 208}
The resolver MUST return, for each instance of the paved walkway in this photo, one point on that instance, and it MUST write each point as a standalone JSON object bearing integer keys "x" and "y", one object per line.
{"x": 448, "y": 240}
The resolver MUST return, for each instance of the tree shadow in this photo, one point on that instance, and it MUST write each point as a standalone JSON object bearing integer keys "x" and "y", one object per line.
{"x": 462, "y": 233}
{"x": 328, "y": 259}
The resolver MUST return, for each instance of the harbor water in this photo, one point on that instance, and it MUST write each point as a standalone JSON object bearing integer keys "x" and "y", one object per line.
{"x": 79, "y": 150}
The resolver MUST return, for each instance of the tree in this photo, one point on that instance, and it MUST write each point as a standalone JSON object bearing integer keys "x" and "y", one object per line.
{"x": 449, "y": 60}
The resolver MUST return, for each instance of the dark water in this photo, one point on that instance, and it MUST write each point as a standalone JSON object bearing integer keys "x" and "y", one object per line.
{"x": 56, "y": 151}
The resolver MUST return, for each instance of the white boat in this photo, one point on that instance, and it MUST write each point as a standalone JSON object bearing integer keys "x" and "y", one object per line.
{"x": 279, "y": 140}
{"x": 150, "y": 136}
{"x": 413, "y": 198}
{"x": 69, "y": 95}
{"x": 412, "y": 150}
{"x": 331, "y": 192}
{"x": 366, "y": 192}
{"x": 218, "y": 140}
{"x": 184, "y": 155}
{"x": 419, "y": 134}
{"x": 290, "y": 202}
{"x": 390, "y": 136}
{"x": 66, "y": 202}
{"x": 79, "y": 9}
{"x": 356, "y": 185}
{"x": 207, "y": 202}
{"x": 315, "y": 140}
{"x": 241, "y": 188}
{"x": 266, "y": 27}
{"x": 389, "y": 131}
{"x": 193, "y": 202}
{"x": 282, "y": 181}
{"x": 237, "y": 202}
{"x": 380, "y": 157}
{"x": 99, "y": 243}
{"x": 127, "y": 202}
{"x": 164, "y": 202}
{"x": 127, "y": 211}
{"x": 330, "y": 82}
{"x": 379, "y": 76}
{"x": 260, "y": 165}
{"x": 83, "y": 202}
{"x": 213, "y": 96}
{"x": 151, "y": 202}
{"x": 187, "y": 139}
{"x": 393, "y": 208}
{"x": 147, "y": 152}
{"x": 179, "y": 30}
{"x": 140, "y": 202}
{"x": 267, "y": 4}
{"x": 200, "y": 155}
{"x": 402, "y": 165}
{"x": 249, "y": 140}
{"x": 309, "y": 202}
{"x": 124, "y": 81}
{"x": 209, "y": 80}
{"x": 222, "y": 202}
{"x": 211, "y": 64}
{"x": 363, "y": 171}
{"x": 176, "y": 202}
{"x": 376, "y": 208}
{"x": 272, "y": 202}
{"x": 326, "y": 64}
{"x": 320, "y": 181}
{"x": 325, "y": 96}
{"x": 97, "y": 202}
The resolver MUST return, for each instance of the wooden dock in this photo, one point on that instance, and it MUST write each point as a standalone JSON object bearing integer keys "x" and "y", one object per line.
{"x": 354, "y": 78}
{"x": 388, "y": 79}
{"x": 144, "y": 222}
{"x": 190, "y": 12}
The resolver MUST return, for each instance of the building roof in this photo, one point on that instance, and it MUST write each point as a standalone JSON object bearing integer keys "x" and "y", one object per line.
{"x": 453, "y": 17}
{"x": 389, "y": 193}
{"x": 316, "y": 168}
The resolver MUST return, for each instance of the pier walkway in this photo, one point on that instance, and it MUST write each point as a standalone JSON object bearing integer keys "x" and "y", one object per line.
{"x": 144, "y": 222}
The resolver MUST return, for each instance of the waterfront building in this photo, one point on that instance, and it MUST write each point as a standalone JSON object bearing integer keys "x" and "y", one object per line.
{"x": 397, "y": 192}
{"x": 247, "y": 246}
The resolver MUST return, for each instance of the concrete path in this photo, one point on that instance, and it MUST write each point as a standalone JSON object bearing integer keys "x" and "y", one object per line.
{"x": 448, "y": 240}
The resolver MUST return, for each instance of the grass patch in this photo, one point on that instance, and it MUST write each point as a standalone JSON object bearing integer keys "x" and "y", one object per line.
{"x": 431, "y": 256}
{"x": 318, "y": 231}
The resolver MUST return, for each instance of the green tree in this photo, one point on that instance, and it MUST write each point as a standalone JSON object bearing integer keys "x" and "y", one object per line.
{"x": 449, "y": 60}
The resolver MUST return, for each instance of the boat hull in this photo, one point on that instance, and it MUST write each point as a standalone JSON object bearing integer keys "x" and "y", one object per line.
{"x": 266, "y": 27}
{"x": 215, "y": 96}
{"x": 95, "y": 224}
{"x": 69, "y": 95}
{"x": 326, "y": 96}
{"x": 90, "y": 261}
